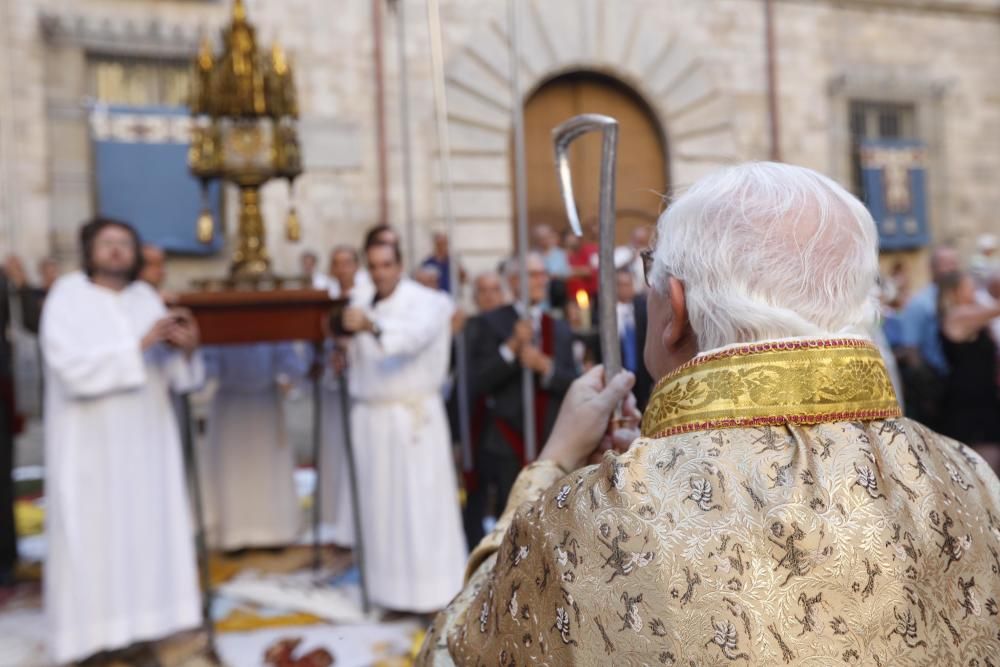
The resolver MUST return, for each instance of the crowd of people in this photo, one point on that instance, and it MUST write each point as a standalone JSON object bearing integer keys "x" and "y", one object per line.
{"x": 945, "y": 338}
{"x": 556, "y": 341}
{"x": 120, "y": 567}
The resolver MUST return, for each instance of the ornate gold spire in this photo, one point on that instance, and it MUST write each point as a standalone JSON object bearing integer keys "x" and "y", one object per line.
{"x": 245, "y": 106}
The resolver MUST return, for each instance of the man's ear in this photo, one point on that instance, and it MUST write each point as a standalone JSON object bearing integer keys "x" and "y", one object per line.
{"x": 678, "y": 329}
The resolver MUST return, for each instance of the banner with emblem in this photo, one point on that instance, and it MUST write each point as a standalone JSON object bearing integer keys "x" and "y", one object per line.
{"x": 142, "y": 177}
{"x": 893, "y": 174}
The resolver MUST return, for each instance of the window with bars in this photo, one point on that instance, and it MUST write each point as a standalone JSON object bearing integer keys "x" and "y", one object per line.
{"x": 138, "y": 82}
{"x": 877, "y": 120}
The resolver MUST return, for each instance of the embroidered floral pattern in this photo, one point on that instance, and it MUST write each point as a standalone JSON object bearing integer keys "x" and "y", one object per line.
{"x": 847, "y": 541}
{"x": 804, "y": 382}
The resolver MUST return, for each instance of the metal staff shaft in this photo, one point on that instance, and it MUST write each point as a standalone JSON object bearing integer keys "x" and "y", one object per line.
{"x": 404, "y": 122}
{"x": 521, "y": 192}
{"x": 194, "y": 483}
{"x": 562, "y": 137}
{"x": 454, "y": 273}
{"x": 317, "y": 435}
{"x": 359, "y": 543}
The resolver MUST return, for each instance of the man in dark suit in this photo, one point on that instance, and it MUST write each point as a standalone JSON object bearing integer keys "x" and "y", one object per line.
{"x": 632, "y": 334}
{"x": 506, "y": 341}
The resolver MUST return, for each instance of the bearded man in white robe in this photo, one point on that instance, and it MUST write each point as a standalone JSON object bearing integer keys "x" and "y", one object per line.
{"x": 398, "y": 364}
{"x": 120, "y": 567}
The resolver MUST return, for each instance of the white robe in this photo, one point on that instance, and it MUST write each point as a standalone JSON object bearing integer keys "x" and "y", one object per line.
{"x": 121, "y": 562}
{"x": 414, "y": 545}
{"x": 336, "y": 519}
{"x": 249, "y": 466}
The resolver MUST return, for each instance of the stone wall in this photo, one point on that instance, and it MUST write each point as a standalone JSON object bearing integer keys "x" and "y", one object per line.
{"x": 700, "y": 64}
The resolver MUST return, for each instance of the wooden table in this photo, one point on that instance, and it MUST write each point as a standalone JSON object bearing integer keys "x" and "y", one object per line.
{"x": 252, "y": 316}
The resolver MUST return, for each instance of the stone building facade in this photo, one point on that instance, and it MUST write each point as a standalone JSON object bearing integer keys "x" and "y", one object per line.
{"x": 698, "y": 66}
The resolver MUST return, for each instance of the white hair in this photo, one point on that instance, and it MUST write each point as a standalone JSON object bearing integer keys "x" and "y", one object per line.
{"x": 767, "y": 250}
{"x": 512, "y": 265}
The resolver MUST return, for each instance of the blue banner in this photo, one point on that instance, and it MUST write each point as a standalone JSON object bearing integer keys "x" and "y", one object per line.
{"x": 142, "y": 176}
{"x": 893, "y": 174}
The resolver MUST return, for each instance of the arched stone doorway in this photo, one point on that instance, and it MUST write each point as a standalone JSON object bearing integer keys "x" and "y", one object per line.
{"x": 618, "y": 39}
{"x": 642, "y": 175}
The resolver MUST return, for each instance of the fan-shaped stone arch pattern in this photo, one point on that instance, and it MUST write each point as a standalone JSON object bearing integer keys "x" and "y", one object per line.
{"x": 694, "y": 114}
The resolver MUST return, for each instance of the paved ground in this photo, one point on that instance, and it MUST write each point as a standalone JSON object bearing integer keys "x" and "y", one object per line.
{"x": 244, "y": 630}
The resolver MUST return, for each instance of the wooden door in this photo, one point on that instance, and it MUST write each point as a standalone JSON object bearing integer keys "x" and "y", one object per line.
{"x": 641, "y": 171}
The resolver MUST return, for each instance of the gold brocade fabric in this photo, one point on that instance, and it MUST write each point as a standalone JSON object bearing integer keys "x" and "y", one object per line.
{"x": 830, "y": 537}
{"x": 806, "y": 382}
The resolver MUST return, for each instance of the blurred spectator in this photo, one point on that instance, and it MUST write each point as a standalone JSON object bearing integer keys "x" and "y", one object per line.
{"x": 925, "y": 367}
{"x": 632, "y": 334}
{"x": 506, "y": 341}
{"x": 985, "y": 262}
{"x": 48, "y": 272}
{"x": 488, "y": 295}
{"x": 488, "y": 292}
{"x": 428, "y": 275}
{"x": 990, "y": 295}
{"x": 154, "y": 266}
{"x": 347, "y": 278}
{"x": 13, "y": 280}
{"x": 381, "y": 234}
{"x": 887, "y": 335}
{"x": 440, "y": 260}
{"x": 891, "y": 326}
{"x": 31, "y": 297}
{"x": 582, "y": 255}
{"x": 308, "y": 263}
{"x": 628, "y": 256}
{"x": 555, "y": 258}
{"x": 154, "y": 272}
{"x": 971, "y": 405}
{"x": 899, "y": 285}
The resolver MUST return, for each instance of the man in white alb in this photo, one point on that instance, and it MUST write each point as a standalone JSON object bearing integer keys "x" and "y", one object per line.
{"x": 398, "y": 361}
{"x": 120, "y": 567}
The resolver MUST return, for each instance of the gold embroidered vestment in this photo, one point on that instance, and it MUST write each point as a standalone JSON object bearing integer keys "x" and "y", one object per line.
{"x": 776, "y": 511}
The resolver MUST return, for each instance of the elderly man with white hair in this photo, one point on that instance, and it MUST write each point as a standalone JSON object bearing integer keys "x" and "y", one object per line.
{"x": 777, "y": 508}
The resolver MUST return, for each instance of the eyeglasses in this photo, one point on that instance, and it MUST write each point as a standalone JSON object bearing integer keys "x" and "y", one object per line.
{"x": 647, "y": 259}
{"x": 647, "y": 265}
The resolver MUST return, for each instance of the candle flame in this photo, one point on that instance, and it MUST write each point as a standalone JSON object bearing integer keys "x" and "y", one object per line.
{"x": 582, "y": 299}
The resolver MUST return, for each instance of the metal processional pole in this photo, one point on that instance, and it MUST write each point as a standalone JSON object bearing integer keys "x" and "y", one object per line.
{"x": 444, "y": 158}
{"x": 201, "y": 547}
{"x": 317, "y": 443}
{"x": 352, "y": 479}
{"x": 521, "y": 192}
{"x": 404, "y": 121}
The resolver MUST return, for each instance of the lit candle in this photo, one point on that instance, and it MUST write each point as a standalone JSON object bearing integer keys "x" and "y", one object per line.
{"x": 583, "y": 302}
